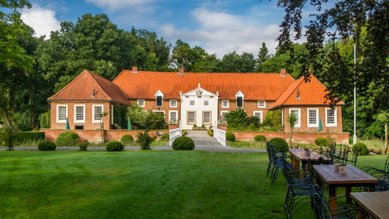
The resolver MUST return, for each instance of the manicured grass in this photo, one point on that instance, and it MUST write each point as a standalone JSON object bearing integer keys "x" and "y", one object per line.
{"x": 142, "y": 184}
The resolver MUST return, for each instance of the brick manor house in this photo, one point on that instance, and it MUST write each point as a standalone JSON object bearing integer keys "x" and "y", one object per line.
{"x": 194, "y": 99}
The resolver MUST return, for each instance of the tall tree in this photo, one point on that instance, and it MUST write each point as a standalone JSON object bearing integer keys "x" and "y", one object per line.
{"x": 263, "y": 55}
{"x": 233, "y": 62}
{"x": 340, "y": 20}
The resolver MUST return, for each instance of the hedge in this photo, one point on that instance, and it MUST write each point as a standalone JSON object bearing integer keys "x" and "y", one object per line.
{"x": 46, "y": 145}
{"x": 21, "y": 137}
{"x": 114, "y": 146}
{"x": 68, "y": 139}
{"x": 230, "y": 136}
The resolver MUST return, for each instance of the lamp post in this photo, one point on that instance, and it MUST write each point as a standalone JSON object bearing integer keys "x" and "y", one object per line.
{"x": 355, "y": 95}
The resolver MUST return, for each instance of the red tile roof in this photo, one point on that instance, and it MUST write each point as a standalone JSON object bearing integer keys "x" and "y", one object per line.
{"x": 254, "y": 86}
{"x": 303, "y": 93}
{"x": 90, "y": 87}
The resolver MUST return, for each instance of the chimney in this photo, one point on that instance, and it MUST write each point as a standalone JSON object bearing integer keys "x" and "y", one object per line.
{"x": 134, "y": 69}
{"x": 283, "y": 72}
{"x": 181, "y": 71}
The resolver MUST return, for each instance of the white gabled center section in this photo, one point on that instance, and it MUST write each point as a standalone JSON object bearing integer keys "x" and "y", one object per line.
{"x": 198, "y": 107}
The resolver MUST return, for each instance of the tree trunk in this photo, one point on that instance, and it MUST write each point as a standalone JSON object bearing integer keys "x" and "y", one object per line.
{"x": 290, "y": 137}
{"x": 386, "y": 137}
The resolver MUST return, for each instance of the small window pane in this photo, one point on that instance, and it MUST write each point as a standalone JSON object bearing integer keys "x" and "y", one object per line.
{"x": 206, "y": 103}
{"x": 330, "y": 116}
{"x": 173, "y": 103}
{"x": 173, "y": 117}
{"x": 98, "y": 112}
{"x": 239, "y": 101}
{"x": 259, "y": 115}
{"x": 61, "y": 113}
{"x": 207, "y": 117}
{"x": 312, "y": 117}
{"x": 191, "y": 117}
{"x": 141, "y": 102}
{"x": 159, "y": 100}
{"x": 79, "y": 113}
{"x": 225, "y": 103}
{"x": 192, "y": 102}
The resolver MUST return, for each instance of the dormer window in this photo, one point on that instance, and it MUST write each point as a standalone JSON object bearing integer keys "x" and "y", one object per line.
{"x": 239, "y": 99}
{"x": 159, "y": 98}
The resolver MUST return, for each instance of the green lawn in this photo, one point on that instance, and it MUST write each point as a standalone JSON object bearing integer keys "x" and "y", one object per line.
{"x": 142, "y": 184}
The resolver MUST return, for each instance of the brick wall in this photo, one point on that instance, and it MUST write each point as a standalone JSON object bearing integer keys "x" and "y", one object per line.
{"x": 301, "y": 137}
{"x": 249, "y": 106}
{"x": 95, "y": 135}
{"x": 88, "y": 124}
{"x": 304, "y": 126}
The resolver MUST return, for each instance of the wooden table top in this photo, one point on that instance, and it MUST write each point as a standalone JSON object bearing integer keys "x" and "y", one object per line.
{"x": 302, "y": 155}
{"x": 353, "y": 176}
{"x": 376, "y": 203}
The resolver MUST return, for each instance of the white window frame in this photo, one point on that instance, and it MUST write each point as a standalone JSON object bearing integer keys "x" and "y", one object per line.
{"x": 187, "y": 117}
{"x": 317, "y": 118}
{"x": 210, "y": 117}
{"x": 298, "y": 121}
{"x": 144, "y": 102}
{"x": 221, "y": 114}
{"x": 335, "y": 118}
{"x": 93, "y": 112}
{"x": 75, "y": 113}
{"x": 57, "y": 113}
{"x": 172, "y": 106}
{"x": 112, "y": 114}
{"x": 228, "y": 104}
{"x": 207, "y": 102}
{"x": 264, "y": 104}
{"x": 173, "y": 111}
{"x": 194, "y": 103}
{"x": 260, "y": 117}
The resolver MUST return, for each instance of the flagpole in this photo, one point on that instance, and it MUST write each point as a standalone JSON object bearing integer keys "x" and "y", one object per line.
{"x": 355, "y": 95}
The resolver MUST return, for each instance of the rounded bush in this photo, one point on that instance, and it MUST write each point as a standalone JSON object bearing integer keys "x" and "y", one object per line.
{"x": 183, "y": 143}
{"x": 126, "y": 139}
{"x": 46, "y": 145}
{"x": 83, "y": 145}
{"x": 68, "y": 139}
{"x": 361, "y": 148}
{"x": 279, "y": 144}
{"x": 260, "y": 138}
{"x": 165, "y": 137}
{"x": 230, "y": 136}
{"x": 114, "y": 146}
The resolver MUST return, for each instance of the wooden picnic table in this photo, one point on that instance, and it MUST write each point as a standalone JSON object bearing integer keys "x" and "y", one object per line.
{"x": 375, "y": 204}
{"x": 353, "y": 178}
{"x": 300, "y": 155}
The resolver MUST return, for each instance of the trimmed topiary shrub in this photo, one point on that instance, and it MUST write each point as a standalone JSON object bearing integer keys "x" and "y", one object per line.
{"x": 165, "y": 137}
{"x": 68, "y": 139}
{"x": 279, "y": 144}
{"x": 183, "y": 143}
{"x": 361, "y": 148}
{"x": 324, "y": 142}
{"x": 126, "y": 139}
{"x": 230, "y": 136}
{"x": 83, "y": 145}
{"x": 114, "y": 146}
{"x": 260, "y": 138}
{"x": 144, "y": 139}
{"x": 46, "y": 145}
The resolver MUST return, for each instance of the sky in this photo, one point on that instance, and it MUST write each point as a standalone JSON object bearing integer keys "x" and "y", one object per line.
{"x": 218, "y": 26}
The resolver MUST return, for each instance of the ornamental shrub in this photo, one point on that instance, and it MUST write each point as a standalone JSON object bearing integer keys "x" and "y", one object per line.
{"x": 165, "y": 137}
{"x": 114, "y": 146}
{"x": 126, "y": 139}
{"x": 260, "y": 138}
{"x": 68, "y": 139}
{"x": 252, "y": 122}
{"x": 44, "y": 120}
{"x": 46, "y": 145}
{"x": 83, "y": 145}
{"x": 361, "y": 148}
{"x": 325, "y": 142}
{"x": 183, "y": 143}
{"x": 230, "y": 136}
{"x": 144, "y": 140}
{"x": 279, "y": 144}
{"x": 236, "y": 118}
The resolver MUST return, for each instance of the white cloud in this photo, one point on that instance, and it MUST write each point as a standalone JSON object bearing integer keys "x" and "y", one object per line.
{"x": 42, "y": 20}
{"x": 119, "y": 4}
{"x": 221, "y": 32}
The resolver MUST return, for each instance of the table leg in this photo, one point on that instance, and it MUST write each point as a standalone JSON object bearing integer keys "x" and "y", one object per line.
{"x": 348, "y": 197}
{"x": 296, "y": 164}
{"x": 332, "y": 199}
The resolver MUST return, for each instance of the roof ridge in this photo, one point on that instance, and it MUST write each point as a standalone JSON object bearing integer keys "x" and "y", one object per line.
{"x": 119, "y": 75}
{"x": 101, "y": 87}
{"x": 85, "y": 71}
{"x": 173, "y": 72}
{"x": 298, "y": 82}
